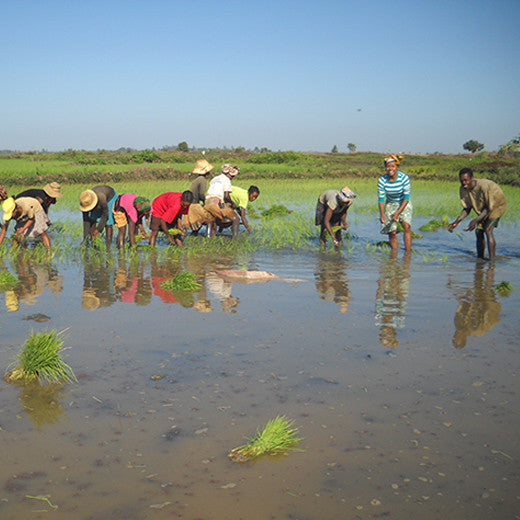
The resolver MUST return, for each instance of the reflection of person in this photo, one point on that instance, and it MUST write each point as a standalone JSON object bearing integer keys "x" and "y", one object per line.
{"x": 198, "y": 186}
{"x": 45, "y": 196}
{"x": 331, "y": 282}
{"x": 34, "y": 279}
{"x": 393, "y": 192}
{"x": 218, "y": 201}
{"x": 331, "y": 210}
{"x": 391, "y": 299}
{"x": 97, "y": 206}
{"x": 167, "y": 211}
{"x": 222, "y": 290}
{"x": 478, "y": 311}
{"x": 31, "y": 220}
{"x": 129, "y": 210}
{"x": 98, "y": 285}
{"x": 489, "y": 203}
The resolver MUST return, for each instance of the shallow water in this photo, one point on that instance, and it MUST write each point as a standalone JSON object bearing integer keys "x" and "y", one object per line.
{"x": 401, "y": 375}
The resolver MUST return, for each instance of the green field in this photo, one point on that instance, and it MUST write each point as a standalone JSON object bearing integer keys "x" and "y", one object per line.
{"x": 108, "y": 167}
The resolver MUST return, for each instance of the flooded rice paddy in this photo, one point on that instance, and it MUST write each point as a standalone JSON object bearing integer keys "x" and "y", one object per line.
{"x": 400, "y": 373}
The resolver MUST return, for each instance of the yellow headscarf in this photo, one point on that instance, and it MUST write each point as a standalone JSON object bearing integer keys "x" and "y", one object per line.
{"x": 393, "y": 158}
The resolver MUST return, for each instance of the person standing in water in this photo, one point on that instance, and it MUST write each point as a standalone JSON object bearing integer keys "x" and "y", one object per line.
{"x": 489, "y": 203}
{"x": 393, "y": 190}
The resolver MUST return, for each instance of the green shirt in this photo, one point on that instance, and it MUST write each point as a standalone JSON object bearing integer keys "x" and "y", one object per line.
{"x": 239, "y": 197}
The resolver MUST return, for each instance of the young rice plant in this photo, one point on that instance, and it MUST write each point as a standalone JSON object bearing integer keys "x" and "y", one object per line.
{"x": 277, "y": 437}
{"x": 40, "y": 359}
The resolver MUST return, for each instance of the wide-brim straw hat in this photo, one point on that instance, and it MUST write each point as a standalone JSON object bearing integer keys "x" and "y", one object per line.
{"x": 8, "y": 206}
{"x": 53, "y": 189}
{"x": 202, "y": 167}
{"x": 87, "y": 200}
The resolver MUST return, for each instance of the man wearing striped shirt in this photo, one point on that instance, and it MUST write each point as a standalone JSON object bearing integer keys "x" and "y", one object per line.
{"x": 393, "y": 190}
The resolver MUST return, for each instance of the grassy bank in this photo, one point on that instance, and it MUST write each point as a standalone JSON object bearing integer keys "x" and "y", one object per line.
{"x": 73, "y": 167}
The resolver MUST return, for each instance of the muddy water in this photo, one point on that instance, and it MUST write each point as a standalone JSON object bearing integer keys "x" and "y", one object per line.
{"x": 400, "y": 373}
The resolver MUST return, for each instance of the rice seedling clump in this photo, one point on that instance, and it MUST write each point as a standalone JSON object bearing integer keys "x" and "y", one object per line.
{"x": 276, "y": 438}
{"x": 40, "y": 359}
{"x": 7, "y": 281}
{"x": 504, "y": 288}
{"x": 182, "y": 281}
{"x": 435, "y": 224}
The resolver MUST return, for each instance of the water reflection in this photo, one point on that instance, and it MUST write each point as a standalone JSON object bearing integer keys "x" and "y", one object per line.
{"x": 42, "y": 402}
{"x": 134, "y": 280}
{"x": 332, "y": 282}
{"x": 393, "y": 287}
{"x": 34, "y": 279}
{"x": 221, "y": 289}
{"x": 479, "y": 310}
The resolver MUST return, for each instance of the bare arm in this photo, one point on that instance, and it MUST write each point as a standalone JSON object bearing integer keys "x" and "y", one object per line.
{"x": 463, "y": 214}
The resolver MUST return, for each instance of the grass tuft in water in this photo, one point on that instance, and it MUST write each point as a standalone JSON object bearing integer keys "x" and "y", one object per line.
{"x": 504, "y": 288}
{"x": 7, "y": 281}
{"x": 277, "y": 437}
{"x": 40, "y": 359}
{"x": 182, "y": 281}
{"x": 277, "y": 210}
{"x": 436, "y": 224}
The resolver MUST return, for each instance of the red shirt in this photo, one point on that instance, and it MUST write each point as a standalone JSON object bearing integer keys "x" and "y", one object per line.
{"x": 167, "y": 206}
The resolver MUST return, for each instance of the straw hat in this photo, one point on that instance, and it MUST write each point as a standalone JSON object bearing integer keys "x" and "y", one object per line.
{"x": 89, "y": 300}
{"x": 202, "y": 167}
{"x": 53, "y": 189}
{"x": 8, "y": 206}
{"x": 87, "y": 200}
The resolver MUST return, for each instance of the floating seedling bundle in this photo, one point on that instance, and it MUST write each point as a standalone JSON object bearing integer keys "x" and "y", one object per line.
{"x": 40, "y": 359}
{"x": 276, "y": 438}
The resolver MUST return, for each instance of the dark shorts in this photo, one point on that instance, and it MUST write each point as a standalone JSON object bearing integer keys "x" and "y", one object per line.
{"x": 486, "y": 223}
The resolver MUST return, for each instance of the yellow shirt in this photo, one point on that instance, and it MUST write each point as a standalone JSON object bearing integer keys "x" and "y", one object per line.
{"x": 485, "y": 195}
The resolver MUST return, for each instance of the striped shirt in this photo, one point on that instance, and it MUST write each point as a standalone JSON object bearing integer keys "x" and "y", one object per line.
{"x": 396, "y": 191}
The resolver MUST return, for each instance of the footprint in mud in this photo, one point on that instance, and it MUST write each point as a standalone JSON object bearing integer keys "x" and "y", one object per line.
{"x": 36, "y": 317}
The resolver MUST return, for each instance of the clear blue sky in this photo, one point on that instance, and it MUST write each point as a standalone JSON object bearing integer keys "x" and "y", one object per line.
{"x": 400, "y": 76}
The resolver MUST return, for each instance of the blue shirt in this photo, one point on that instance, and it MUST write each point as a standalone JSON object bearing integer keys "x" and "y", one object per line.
{"x": 396, "y": 191}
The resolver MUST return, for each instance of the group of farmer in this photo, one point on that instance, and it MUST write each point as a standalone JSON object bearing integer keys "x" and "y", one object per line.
{"x": 174, "y": 213}
{"x": 483, "y": 196}
{"x": 221, "y": 205}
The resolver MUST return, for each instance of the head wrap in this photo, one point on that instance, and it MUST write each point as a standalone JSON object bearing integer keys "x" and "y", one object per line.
{"x": 142, "y": 205}
{"x": 229, "y": 169}
{"x": 393, "y": 158}
{"x": 346, "y": 194}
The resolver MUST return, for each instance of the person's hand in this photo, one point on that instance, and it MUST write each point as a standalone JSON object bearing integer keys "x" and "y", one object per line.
{"x": 395, "y": 217}
{"x": 336, "y": 243}
{"x": 472, "y": 225}
{"x": 452, "y": 226}
{"x": 345, "y": 226}
{"x": 382, "y": 219}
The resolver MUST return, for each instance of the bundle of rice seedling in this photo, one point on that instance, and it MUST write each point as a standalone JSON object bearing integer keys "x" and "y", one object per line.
{"x": 504, "y": 288}
{"x": 40, "y": 359}
{"x": 277, "y": 437}
{"x": 182, "y": 281}
{"x": 7, "y": 281}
